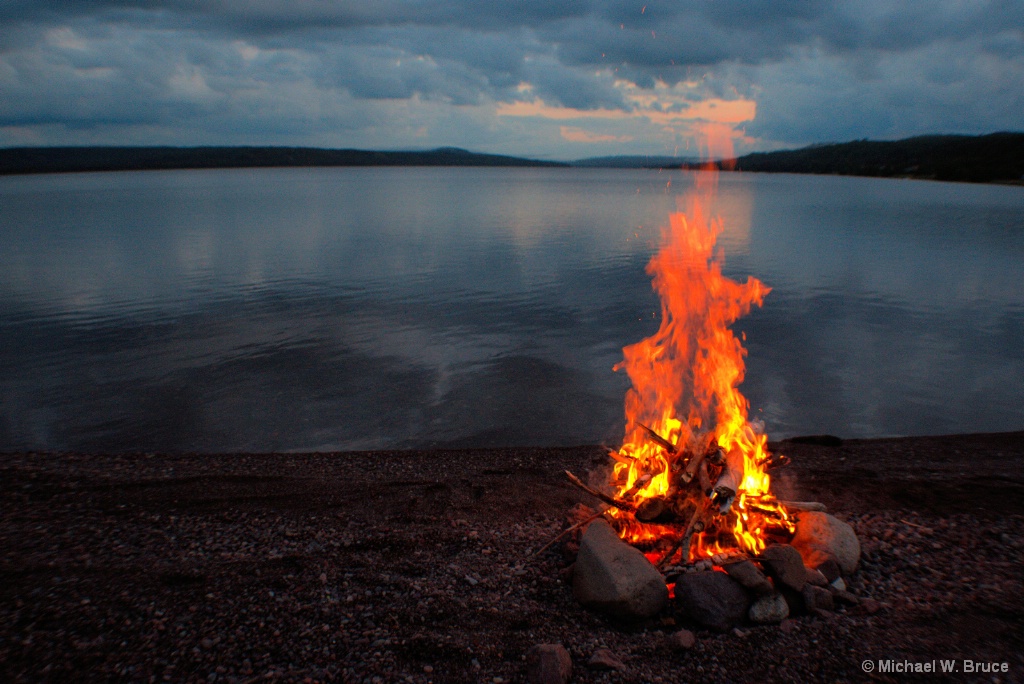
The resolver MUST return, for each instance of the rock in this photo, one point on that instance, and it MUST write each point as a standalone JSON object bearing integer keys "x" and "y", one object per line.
{"x": 613, "y": 577}
{"x": 783, "y": 564}
{"x": 820, "y": 534}
{"x": 816, "y": 578}
{"x": 548, "y": 664}
{"x": 604, "y": 659}
{"x": 794, "y": 599}
{"x": 682, "y": 640}
{"x": 838, "y": 584}
{"x": 712, "y": 599}
{"x": 829, "y": 568}
{"x": 769, "y": 610}
{"x": 845, "y": 597}
{"x": 748, "y": 574}
{"x": 817, "y": 598}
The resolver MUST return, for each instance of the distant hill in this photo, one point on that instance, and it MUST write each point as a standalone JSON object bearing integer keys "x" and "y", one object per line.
{"x": 998, "y": 157}
{"x": 66, "y": 159}
{"x": 635, "y": 162}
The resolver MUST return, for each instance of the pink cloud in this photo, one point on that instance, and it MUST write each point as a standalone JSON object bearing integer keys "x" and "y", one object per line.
{"x": 573, "y": 134}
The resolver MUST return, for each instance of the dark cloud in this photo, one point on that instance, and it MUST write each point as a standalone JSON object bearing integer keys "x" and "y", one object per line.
{"x": 824, "y": 70}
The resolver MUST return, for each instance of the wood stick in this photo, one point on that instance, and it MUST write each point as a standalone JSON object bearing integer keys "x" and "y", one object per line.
{"x": 669, "y": 446}
{"x": 684, "y": 541}
{"x": 566, "y": 531}
{"x": 639, "y": 484}
{"x": 804, "y": 505}
{"x": 620, "y": 457}
{"x": 611, "y": 501}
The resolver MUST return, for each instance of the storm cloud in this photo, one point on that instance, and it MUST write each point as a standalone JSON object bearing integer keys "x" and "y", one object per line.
{"x": 533, "y": 77}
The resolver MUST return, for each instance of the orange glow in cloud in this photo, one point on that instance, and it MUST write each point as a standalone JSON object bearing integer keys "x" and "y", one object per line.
{"x": 713, "y": 110}
{"x": 573, "y": 134}
{"x": 663, "y": 105}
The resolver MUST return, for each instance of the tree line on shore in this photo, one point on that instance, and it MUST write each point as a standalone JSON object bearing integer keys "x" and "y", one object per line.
{"x": 997, "y": 157}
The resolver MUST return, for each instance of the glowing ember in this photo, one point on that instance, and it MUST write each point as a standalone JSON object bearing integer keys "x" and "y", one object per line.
{"x": 692, "y": 465}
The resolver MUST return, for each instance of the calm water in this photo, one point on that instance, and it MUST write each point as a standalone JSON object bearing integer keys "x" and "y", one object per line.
{"x": 313, "y": 309}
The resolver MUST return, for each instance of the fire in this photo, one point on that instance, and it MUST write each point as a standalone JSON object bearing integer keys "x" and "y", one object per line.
{"x": 692, "y": 471}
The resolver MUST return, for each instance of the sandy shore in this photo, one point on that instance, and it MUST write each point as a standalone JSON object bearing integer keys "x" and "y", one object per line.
{"x": 420, "y": 566}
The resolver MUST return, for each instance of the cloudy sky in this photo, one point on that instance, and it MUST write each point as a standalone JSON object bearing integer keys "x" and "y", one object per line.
{"x": 557, "y": 79}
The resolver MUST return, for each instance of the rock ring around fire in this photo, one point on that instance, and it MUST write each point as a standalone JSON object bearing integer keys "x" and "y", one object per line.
{"x": 820, "y": 536}
{"x": 615, "y": 578}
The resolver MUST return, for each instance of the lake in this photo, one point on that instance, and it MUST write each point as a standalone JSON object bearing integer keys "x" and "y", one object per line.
{"x": 368, "y": 308}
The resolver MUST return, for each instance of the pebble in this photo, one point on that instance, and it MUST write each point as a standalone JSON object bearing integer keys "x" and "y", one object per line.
{"x": 682, "y": 640}
{"x": 869, "y": 606}
{"x": 605, "y": 659}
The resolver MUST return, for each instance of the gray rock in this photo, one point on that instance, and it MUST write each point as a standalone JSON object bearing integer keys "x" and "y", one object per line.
{"x": 769, "y": 609}
{"x": 818, "y": 598}
{"x": 604, "y": 659}
{"x": 748, "y": 574}
{"x": 548, "y": 664}
{"x": 613, "y": 577}
{"x": 820, "y": 535}
{"x": 783, "y": 564}
{"x": 712, "y": 599}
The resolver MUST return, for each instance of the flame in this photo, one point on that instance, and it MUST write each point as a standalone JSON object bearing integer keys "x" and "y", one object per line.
{"x": 685, "y": 388}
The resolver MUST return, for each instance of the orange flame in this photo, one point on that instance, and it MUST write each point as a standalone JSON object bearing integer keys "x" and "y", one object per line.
{"x": 685, "y": 382}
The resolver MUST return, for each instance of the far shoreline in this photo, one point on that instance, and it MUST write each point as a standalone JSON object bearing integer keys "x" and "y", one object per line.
{"x": 996, "y": 158}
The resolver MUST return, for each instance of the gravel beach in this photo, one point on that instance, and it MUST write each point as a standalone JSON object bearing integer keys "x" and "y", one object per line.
{"x": 420, "y": 566}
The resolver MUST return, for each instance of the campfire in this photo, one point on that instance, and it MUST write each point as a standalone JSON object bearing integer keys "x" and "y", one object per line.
{"x": 690, "y": 480}
{"x": 689, "y": 487}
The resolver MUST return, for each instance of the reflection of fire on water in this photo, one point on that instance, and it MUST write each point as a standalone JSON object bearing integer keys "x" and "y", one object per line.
{"x": 690, "y": 480}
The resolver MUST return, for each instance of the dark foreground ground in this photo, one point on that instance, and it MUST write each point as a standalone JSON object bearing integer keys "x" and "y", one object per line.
{"x": 420, "y": 566}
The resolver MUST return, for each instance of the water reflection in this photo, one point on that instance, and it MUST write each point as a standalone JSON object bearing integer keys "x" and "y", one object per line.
{"x": 368, "y": 308}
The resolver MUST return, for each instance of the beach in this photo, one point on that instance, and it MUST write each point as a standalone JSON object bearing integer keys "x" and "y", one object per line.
{"x": 421, "y": 566}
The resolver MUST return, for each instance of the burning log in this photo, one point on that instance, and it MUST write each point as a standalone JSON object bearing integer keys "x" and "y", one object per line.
{"x": 659, "y": 510}
{"x": 728, "y": 483}
{"x": 692, "y": 466}
{"x": 724, "y": 492}
{"x": 704, "y": 479}
{"x": 697, "y": 524}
